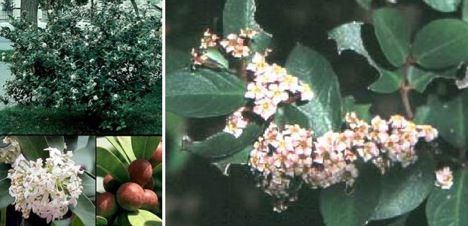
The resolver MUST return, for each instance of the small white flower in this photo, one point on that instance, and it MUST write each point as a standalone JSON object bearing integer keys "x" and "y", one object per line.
{"x": 444, "y": 178}
{"x": 95, "y": 97}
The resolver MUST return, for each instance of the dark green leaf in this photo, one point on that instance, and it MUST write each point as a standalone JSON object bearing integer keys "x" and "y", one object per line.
{"x": 144, "y": 146}
{"x": 449, "y": 117}
{"x": 323, "y": 112}
{"x": 392, "y": 34}
{"x": 465, "y": 10}
{"x": 5, "y": 198}
{"x": 240, "y": 158}
{"x": 404, "y": 189}
{"x": 354, "y": 207}
{"x": 108, "y": 163}
{"x": 240, "y": 14}
{"x": 203, "y": 93}
{"x": 112, "y": 144}
{"x": 366, "y": 4}
{"x": 101, "y": 221}
{"x": 441, "y": 43}
{"x": 449, "y": 207}
{"x": 420, "y": 79}
{"x": 444, "y": 5}
{"x": 222, "y": 145}
{"x": 33, "y": 147}
{"x": 77, "y": 222}
{"x": 362, "y": 110}
{"x": 85, "y": 210}
{"x": 388, "y": 82}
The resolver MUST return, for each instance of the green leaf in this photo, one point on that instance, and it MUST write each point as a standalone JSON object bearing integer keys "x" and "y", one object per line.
{"x": 33, "y": 147}
{"x": 217, "y": 57}
{"x": 89, "y": 184}
{"x": 85, "y": 210}
{"x": 443, "y": 5}
{"x": 240, "y": 14}
{"x": 388, "y": 82}
{"x": 323, "y": 112}
{"x": 5, "y": 198}
{"x": 203, "y": 93}
{"x": 176, "y": 59}
{"x": 441, "y": 43}
{"x": 56, "y": 142}
{"x": 144, "y": 146}
{"x": 450, "y": 117}
{"x": 449, "y": 207}
{"x": 362, "y": 110}
{"x": 175, "y": 130}
{"x": 124, "y": 146}
{"x": 108, "y": 163}
{"x": 240, "y": 158}
{"x": 143, "y": 217}
{"x": 101, "y": 221}
{"x": 64, "y": 222}
{"x": 355, "y": 207}
{"x": 85, "y": 155}
{"x": 77, "y": 222}
{"x": 420, "y": 79}
{"x": 465, "y": 10}
{"x": 392, "y": 34}
{"x": 222, "y": 145}
{"x": 404, "y": 189}
{"x": 366, "y": 4}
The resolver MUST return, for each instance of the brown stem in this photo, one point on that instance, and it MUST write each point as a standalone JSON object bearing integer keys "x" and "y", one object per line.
{"x": 405, "y": 89}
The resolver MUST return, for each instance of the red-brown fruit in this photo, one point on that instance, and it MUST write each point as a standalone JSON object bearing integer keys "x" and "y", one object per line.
{"x": 157, "y": 157}
{"x": 130, "y": 196}
{"x": 110, "y": 184}
{"x": 140, "y": 171}
{"x": 149, "y": 185}
{"x": 106, "y": 205}
{"x": 150, "y": 200}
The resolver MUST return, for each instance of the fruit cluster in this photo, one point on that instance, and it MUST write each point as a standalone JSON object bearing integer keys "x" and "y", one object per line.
{"x": 134, "y": 194}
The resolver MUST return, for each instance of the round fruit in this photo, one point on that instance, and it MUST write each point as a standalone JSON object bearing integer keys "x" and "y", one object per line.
{"x": 106, "y": 205}
{"x": 140, "y": 171}
{"x": 157, "y": 155}
{"x": 130, "y": 196}
{"x": 150, "y": 200}
{"x": 149, "y": 185}
{"x": 110, "y": 184}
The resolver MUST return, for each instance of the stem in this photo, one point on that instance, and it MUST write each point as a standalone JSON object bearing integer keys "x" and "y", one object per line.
{"x": 405, "y": 89}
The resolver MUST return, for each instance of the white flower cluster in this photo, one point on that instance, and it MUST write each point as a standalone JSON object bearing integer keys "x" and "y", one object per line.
{"x": 45, "y": 188}
{"x": 444, "y": 178}
{"x": 236, "y": 122}
{"x": 273, "y": 85}
{"x": 283, "y": 160}
{"x": 9, "y": 153}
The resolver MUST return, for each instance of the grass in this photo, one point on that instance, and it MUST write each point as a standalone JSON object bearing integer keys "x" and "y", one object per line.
{"x": 143, "y": 119}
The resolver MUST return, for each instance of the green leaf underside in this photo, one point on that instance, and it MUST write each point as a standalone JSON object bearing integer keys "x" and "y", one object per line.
{"x": 240, "y": 158}
{"x": 203, "y": 93}
{"x": 323, "y": 112}
{"x": 450, "y": 117}
{"x": 33, "y": 147}
{"x": 449, "y": 207}
{"x": 222, "y": 145}
{"x": 441, "y": 43}
{"x": 444, "y": 5}
{"x": 144, "y": 146}
{"x": 108, "y": 163}
{"x": 85, "y": 210}
{"x": 354, "y": 207}
{"x": 392, "y": 34}
{"x": 362, "y": 110}
{"x": 240, "y": 14}
{"x": 404, "y": 189}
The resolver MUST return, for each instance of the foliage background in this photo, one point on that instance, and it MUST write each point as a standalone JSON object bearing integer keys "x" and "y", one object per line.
{"x": 198, "y": 193}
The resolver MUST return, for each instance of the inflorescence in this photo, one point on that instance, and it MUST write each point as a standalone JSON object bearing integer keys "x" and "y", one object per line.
{"x": 47, "y": 188}
{"x": 284, "y": 159}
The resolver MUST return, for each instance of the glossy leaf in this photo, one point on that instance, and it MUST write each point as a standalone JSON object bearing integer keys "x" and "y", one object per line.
{"x": 449, "y": 207}
{"x": 123, "y": 146}
{"x": 240, "y": 14}
{"x": 388, "y": 82}
{"x": 420, "y": 79}
{"x": 222, "y": 145}
{"x": 108, "y": 163}
{"x": 85, "y": 155}
{"x": 203, "y": 93}
{"x": 355, "y": 206}
{"x": 450, "y": 117}
{"x": 89, "y": 184}
{"x": 444, "y": 5}
{"x": 404, "y": 189}
{"x": 143, "y": 217}
{"x": 392, "y": 34}
{"x": 362, "y": 110}
{"x": 33, "y": 147}
{"x": 144, "y": 146}
{"x": 85, "y": 210}
{"x": 441, "y": 43}
{"x": 240, "y": 158}
{"x": 101, "y": 221}
{"x": 323, "y": 112}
